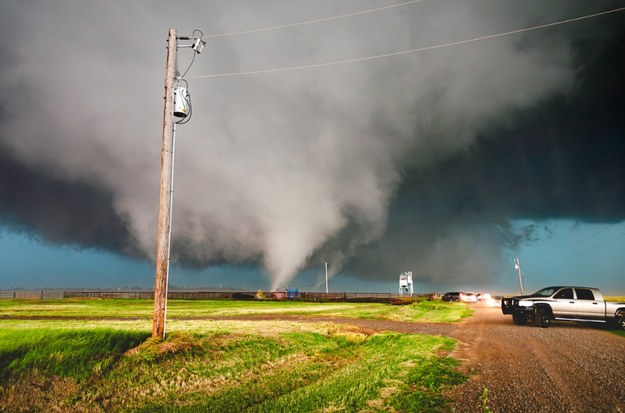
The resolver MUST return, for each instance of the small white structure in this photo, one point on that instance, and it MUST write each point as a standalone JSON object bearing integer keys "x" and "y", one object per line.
{"x": 405, "y": 283}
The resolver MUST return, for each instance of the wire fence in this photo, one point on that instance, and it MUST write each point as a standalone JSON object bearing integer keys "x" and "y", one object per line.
{"x": 31, "y": 294}
{"x": 217, "y": 295}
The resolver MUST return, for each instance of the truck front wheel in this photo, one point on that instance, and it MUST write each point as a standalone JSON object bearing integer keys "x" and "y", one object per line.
{"x": 519, "y": 319}
{"x": 542, "y": 318}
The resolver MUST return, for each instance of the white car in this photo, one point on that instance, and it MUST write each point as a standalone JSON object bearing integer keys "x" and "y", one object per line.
{"x": 468, "y": 297}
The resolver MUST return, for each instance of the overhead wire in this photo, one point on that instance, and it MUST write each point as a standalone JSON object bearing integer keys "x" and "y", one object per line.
{"x": 600, "y": 245}
{"x": 303, "y": 23}
{"x": 409, "y": 51}
{"x": 576, "y": 243}
{"x": 189, "y": 67}
{"x": 579, "y": 252}
{"x": 530, "y": 263}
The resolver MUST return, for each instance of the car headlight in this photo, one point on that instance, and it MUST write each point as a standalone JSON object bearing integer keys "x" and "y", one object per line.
{"x": 525, "y": 303}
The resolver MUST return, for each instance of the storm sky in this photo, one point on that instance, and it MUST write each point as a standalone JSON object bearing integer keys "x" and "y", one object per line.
{"x": 445, "y": 162}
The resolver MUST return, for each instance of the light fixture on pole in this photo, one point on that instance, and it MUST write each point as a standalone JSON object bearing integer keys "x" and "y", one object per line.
{"x": 517, "y": 266}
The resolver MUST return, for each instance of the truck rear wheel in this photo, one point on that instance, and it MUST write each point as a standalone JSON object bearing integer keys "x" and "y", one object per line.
{"x": 519, "y": 319}
{"x": 620, "y": 323}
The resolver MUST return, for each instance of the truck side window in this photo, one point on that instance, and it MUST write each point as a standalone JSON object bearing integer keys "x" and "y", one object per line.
{"x": 584, "y": 294}
{"x": 566, "y": 293}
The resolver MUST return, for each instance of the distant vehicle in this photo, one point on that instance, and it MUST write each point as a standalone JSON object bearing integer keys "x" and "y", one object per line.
{"x": 564, "y": 303}
{"x": 452, "y": 296}
{"x": 492, "y": 301}
{"x": 468, "y": 297}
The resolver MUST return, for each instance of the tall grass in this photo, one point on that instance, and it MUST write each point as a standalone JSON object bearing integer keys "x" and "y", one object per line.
{"x": 75, "y": 353}
{"x": 294, "y": 372}
{"x": 111, "y": 365}
{"x": 316, "y": 373}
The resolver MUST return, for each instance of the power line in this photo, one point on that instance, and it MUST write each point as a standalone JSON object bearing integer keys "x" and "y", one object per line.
{"x": 578, "y": 253}
{"x": 529, "y": 263}
{"x": 303, "y": 23}
{"x": 576, "y": 243}
{"x": 599, "y": 245}
{"x": 403, "y": 52}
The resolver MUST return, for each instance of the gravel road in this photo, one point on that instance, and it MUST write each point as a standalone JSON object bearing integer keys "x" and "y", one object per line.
{"x": 567, "y": 367}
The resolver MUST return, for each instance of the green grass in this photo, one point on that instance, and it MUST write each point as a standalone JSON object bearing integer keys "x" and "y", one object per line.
{"x": 73, "y": 353}
{"x": 431, "y": 312}
{"x": 111, "y": 365}
{"x": 77, "y": 308}
{"x": 424, "y": 311}
{"x": 297, "y": 372}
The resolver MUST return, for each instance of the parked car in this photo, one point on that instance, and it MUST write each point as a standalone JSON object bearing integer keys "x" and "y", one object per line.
{"x": 468, "y": 297}
{"x": 452, "y": 296}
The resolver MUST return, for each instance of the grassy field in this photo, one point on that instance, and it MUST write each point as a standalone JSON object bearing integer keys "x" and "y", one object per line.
{"x": 426, "y": 311}
{"x": 96, "y": 356}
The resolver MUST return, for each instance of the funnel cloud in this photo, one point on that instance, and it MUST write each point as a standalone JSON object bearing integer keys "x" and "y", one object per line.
{"x": 419, "y": 161}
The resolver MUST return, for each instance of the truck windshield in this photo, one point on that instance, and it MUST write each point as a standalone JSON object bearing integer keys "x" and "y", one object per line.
{"x": 546, "y": 292}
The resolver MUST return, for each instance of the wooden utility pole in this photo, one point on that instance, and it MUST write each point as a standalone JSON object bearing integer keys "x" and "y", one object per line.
{"x": 165, "y": 204}
{"x": 517, "y": 265}
{"x": 326, "y": 277}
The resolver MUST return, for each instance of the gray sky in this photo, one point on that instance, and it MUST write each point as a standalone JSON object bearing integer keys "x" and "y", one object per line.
{"x": 419, "y": 161}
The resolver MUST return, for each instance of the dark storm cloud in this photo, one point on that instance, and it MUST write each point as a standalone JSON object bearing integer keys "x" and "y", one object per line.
{"x": 418, "y": 161}
{"x": 562, "y": 159}
{"x": 58, "y": 211}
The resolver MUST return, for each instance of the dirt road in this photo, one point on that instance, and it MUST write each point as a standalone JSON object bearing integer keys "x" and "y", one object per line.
{"x": 567, "y": 367}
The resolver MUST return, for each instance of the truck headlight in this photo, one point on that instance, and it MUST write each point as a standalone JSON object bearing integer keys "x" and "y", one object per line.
{"x": 525, "y": 303}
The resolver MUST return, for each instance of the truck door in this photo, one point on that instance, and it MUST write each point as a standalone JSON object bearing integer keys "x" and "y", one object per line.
{"x": 587, "y": 306}
{"x": 563, "y": 304}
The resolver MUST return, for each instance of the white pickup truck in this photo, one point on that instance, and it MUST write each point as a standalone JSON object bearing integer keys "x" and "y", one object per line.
{"x": 564, "y": 303}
